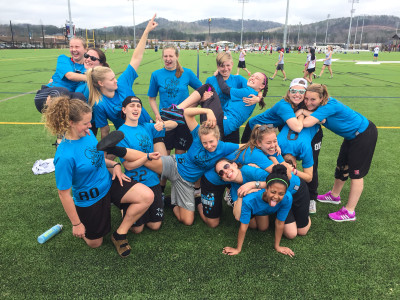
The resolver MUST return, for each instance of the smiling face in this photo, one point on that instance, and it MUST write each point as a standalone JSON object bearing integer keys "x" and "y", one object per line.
{"x": 295, "y": 95}
{"x": 227, "y": 171}
{"x": 77, "y": 50}
{"x": 268, "y": 143}
{"x": 225, "y": 69}
{"x": 312, "y": 100}
{"x": 256, "y": 81}
{"x": 209, "y": 141}
{"x": 132, "y": 112}
{"x": 89, "y": 63}
{"x": 170, "y": 59}
{"x": 274, "y": 193}
{"x": 109, "y": 82}
{"x": 80, "y": 128}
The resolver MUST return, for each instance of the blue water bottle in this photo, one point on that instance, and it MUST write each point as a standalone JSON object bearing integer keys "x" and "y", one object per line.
{"x": 44, "y": 237}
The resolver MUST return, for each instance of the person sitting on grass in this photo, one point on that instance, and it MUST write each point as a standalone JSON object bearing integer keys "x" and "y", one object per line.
{"x": 82, "y": 170}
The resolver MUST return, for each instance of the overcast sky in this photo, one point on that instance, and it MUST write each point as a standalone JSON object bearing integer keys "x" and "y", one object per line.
{"x": 103, "y": 13}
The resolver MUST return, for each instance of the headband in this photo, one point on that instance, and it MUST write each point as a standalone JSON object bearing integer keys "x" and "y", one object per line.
{"x": 284, "y": 181}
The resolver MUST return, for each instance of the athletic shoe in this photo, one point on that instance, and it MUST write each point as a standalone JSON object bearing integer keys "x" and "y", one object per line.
{"x": 328, "y": 198}
{"x": 331, "y": 77}
{"x": 172, "y": 112}
{"x": 228, "y": 198}
{"x": 271, "y": 78}
{"x": 318, "y": 76}
{"x": 342, "y": 215}
{"x": 111, "y": 140}
{"x": 313, "y": 207}
{"x": 284, "y": 79}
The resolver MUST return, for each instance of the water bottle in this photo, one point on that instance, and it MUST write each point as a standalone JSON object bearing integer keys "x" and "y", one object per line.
{"x": 44, "y": 237}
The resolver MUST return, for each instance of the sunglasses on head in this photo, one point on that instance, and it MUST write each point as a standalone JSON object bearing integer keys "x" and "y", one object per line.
{"x": 222, "y": 172}
{"x": 92, "y": 58}
{"x": 294, "y": 91}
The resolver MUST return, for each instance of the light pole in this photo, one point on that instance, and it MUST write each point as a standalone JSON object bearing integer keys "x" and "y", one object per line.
{"x": 285, "y": 30}
{"x": 362, "y": 30}
{"x": 326, "y": 33}
{"x": 69, "y": 22}
{"x": 298, "y": 34}
{"x": 355, "y": 36}
{"x": 241, "y": 34}
{"x": 351, "y": 18}
{"x": 134, "y": 27}
{"x": 316, "y": 32}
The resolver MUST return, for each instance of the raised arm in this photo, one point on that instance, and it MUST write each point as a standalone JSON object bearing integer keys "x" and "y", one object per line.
{"x": 138, "y": 52}
{"x": 191, "y": 112}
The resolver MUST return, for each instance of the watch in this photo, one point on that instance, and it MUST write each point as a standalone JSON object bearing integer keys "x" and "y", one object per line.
{"x": 257, "y": 184}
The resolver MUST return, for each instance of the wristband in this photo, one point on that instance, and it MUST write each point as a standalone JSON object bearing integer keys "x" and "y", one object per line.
{"x": 116, "y": 165}
{"x": 148, "y": 157}
{"x": 77, "y": 224}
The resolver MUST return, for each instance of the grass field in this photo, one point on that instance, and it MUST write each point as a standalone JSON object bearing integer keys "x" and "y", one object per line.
{"x": 354, "y": 260}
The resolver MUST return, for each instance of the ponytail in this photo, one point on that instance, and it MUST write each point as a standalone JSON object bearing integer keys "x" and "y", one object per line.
{"x": 93, "y": 76}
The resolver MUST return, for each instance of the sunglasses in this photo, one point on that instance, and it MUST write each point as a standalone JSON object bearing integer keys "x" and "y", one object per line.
{"x": 222, "y": 172}
{"x": 294, "y": 91}
{"x": 92, "y": 58}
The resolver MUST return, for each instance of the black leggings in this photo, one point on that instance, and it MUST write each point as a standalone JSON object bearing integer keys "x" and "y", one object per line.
{"x": 316, "y": 147}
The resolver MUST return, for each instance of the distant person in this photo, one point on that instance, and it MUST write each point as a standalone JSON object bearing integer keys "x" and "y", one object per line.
{"x": 279, "y": 65}
{"x": 242, "y": 62}
{"x": 376, "y": 53}
{"x": 310, "y": 65}
{"x": 270, "y": 50}
{"x": 227, "y": 49}
{"x": 125, "y": 48}
{"x": 327, "y": 62}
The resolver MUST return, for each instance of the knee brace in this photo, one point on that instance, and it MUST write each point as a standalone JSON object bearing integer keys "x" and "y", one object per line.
{"x": 340, "y": 173}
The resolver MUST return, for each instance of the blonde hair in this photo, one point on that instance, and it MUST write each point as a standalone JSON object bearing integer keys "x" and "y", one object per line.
{"x": 83, "y": 41}
{"x": 321, "y": 90}
{"x": 223, "y": 57}
{"x": 179, "y": 69}
{"x": 204, "y": 130}
{"x": 93, "y": 76}
{"x": 257, "y": 134}
{"x": 61, "y": 111}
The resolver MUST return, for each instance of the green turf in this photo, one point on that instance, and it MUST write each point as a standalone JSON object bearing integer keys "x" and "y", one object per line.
{"x": 357, "y": 260}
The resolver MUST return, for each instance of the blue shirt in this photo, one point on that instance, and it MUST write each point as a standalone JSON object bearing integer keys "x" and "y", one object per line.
{"x": 234, "y": 81}
{"x": 65, "y": 65}
{"x": 253, "y": 204}
{"x": 81, "y": 167}
{"x": 248, "y": 174}
{"x": 194, "y": 163}
{"x": 298, "y": 143}
{"x": 141, "y": 138}
{"x": 110, "y": 108}
{"x": 236, "y": 112}
{"x": 276, "y": 116}
{"x": 172, "y": 90}
{"x": 341, "y": 119}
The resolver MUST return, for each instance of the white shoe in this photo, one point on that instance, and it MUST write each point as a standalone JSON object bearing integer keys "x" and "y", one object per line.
{"x": 313, "y": 207}
{"x": 228, "y": 198}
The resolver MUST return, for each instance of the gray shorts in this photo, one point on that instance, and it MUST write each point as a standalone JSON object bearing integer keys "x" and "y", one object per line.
{"x": 182, "y": 191}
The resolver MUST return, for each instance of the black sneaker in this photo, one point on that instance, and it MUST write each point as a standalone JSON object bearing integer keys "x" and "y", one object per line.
{"x": 172, "y": 113}
{"x": 110, "y": 140}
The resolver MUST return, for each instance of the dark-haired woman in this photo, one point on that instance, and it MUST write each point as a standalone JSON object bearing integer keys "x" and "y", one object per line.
{"x": 82, "y": 170}
{"x": 256, "y": 208}
{"x": 309, "y": 68}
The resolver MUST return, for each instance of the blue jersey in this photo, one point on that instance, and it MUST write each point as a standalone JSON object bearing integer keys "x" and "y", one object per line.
{"x": 81, "y": 167}
{"x": 234, "y": 81}
{"x": 141, "y": 138}
{"x": 294, "y": 184}
{"x": 110, "y": 108}
{"x": 248, "y": 174}
{"x": 276, "y": 116}
{"x": 83, "y": 88}
{"x": 65, "y": 65}
{"x": 253, "y": 204}
{"x": 172, "y": 90}
{"x": 194, "y": 163}
{"x": 298, "y": 143}
{"x": 341, "y": 119}
{"x": 236, "y": 112}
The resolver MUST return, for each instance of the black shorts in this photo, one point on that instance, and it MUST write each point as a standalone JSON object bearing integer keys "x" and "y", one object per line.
{"x": 279, "y": 67}
{"x": 312, "y": 70}
{"x": 316, "y": 147}
{"x": 155, "y": 213}
{"x": 97, "y": 217}
{"x": 211, "y": 198}
{"x": 300, "y": 207}
{"x": 242, "y": 64}
{"x": 233, "y": 137}
{"x": 358, "y": 152}
{"x": 179, "y": 138}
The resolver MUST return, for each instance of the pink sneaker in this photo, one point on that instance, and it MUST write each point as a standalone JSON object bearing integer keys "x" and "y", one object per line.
{"x": 328, "y": 198}
{"x": 342, "y": 215}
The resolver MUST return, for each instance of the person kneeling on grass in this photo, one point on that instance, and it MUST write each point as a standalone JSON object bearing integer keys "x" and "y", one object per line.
{"x": 256, "y": 208}
{"x": 82, "y": 170}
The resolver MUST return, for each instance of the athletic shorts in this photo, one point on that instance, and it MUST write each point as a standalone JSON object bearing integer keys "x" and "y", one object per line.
{"x": 279, "y": 67}
{"x": 300, "y": 206}
{"x": 182, "y": 191}
{"x": 233, "y": 137}
{"x": 242, "y": 64}
{"x": 179, "y": 138}
{"x": 155, "y": 213}
{"x": 97, "y": 217}
{"x": 312, "y": 70}
{"x": 211, "y": 198}
{"x": 327, "y": 64}
{"x": 375, "y": 54}
{"x": 358, "y": 152}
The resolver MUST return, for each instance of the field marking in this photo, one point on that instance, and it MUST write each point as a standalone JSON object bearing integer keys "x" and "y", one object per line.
{"x": 38, "y": 123}
{"x": 13, "y": 97}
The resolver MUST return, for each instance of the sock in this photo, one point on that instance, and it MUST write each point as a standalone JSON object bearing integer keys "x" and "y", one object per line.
{"x": 117, "y": 151}
{"x": 119, "y": 237}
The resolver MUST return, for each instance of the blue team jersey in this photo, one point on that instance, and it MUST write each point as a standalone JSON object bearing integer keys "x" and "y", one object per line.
{"x": 234, "y": 81}
{"x": 341, "y": 119}
{"x": 81, "y": 167}
{"x": 236, "y": 112}
{"x": 110, "y": 108}
{"x": 298, "y": 143}
{"x": 65, "y": 65}
{"x": 141, "y": 138}
{"x": 253, "y": 204}
{"x": 83, "y": 88}
{"x": 172, "y": 90}
{"x": 197, "y": 160}
{"x": 248, "y": 174}
{"x": 276, "y": 116}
